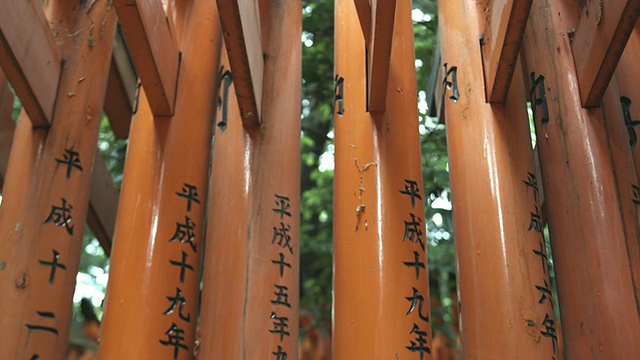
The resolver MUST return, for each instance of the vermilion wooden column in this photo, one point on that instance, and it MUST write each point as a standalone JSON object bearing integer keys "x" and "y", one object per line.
{"x": 251, "y": 276}
{"x": 628, "y": 78}
{"x": 225, "y": 260}
{"x": 46, "y": 192}
{"x": 589, "y": 192}
{"x": 152, "y": 300}
{"x": 381, "y": 293}
{"x": 506, "y": 305}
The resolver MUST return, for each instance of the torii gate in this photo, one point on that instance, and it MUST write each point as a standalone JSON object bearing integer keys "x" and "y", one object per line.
{"x": 495, "y": 55}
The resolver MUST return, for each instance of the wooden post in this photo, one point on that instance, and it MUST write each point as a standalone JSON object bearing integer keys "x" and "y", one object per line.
{"x": 46, "y": 192}
{"x": 151, "y": 307}
{"x": 251, "y": 279}
{"x": 503, "y": 278}
{"x": 381, "y": 293}
{"x": 229, "y": 201}
{"x": 628, "y": 78}
{"x": 589, "y": 193}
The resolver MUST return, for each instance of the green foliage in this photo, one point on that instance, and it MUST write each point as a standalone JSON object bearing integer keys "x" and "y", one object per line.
{"x": 113, "y": 151}
{"x": 316, "y": 248}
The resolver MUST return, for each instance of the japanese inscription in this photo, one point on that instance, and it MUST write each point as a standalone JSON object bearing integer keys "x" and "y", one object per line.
{"x": 419, "y": 342}
{"x": 338, "y": 90}
{"x": 542, "y": 288}
{"x": 417, "y": 304}
{"x": 282, "y": 264}
{"x": 183, "y": 265}
{"x": 175, "y": 339}
{"x": 223, "y": 101}
{"x": 61, "y": 216}
{"x": 282, "y": 240}
{"x": 636, "y": 195}
{"x": 189, "y": 192}
{"x": 70, "y": 159}
{"x": 625, "y": 102}
{"x": 38, "y": 327}
{"x": 178, "y": 301}
{"x": 185, "y": 235}
{"x": 451, "y": 82}
{"x": 539, "y": 97}
{"x": 55, "y": 265}
{"x": 416, "y": 263}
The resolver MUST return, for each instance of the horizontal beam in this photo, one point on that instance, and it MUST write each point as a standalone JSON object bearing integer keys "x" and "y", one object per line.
{"x": 383, "y": 15}
{"x": 598, "y": 43}
{"x": 29, "y": 58}
{"x": 240, "y": 22}
{"x": 121, "y": 88}
{"x": 504, "y": 28}
{"x": 154, "y": 51}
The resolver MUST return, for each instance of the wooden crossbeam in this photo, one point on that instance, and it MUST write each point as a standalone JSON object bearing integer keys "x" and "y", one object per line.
{"x": 598, "y": 43}
{"x": 240, "y": 22}
{"x": 505, "y": 22}
{"x": 30, "y": 58}
{"x": 435, "y": 86}
{"x": 6, "y": 126}
{"x": 103, "y": 201}
{"x": 154, "y": 51}
{"x": 379, "y": 52}
{"x": 363, "y": 7}
{"x": 121, "y": 88}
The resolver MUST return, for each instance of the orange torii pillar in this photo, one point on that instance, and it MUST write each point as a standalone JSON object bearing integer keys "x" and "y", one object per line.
{"x": 46, "y": 191}
{"x": 381, "y": 293}
{"x": 589, "y": 192}
{"x": 152, "y": 300}
{"x": 251, "y": 273}
{"x": 505, "y": 297}
{"x": 628, "y": 78}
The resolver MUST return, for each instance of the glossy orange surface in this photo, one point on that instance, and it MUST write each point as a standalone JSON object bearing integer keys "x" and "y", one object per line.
{"x": 503, "y": 280}
{"x": 381, "y": 293}
{"x": 152, "y": 300}
{"x": 251, "y": 275}
{"x": 46, "y": 193}
{"x": 588, "y": 180}
{"x": 628, "y": 78}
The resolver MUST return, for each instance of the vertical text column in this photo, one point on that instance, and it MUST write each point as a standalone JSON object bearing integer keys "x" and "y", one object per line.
{"x": 588, "y": 182}
{"x": 153, "y": 294}
{"x": 251, "y": 281}
{"x": 503, "y": 278}
{"x": 381, "y": 299}
{"x": 46, "y": 192}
